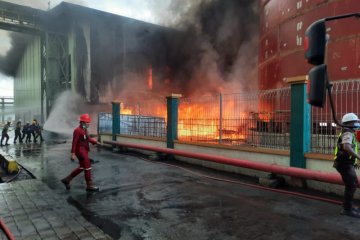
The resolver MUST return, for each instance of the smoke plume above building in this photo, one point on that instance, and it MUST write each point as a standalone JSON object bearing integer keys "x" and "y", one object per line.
{"x": 207, "y": 46}
{"x": 217, "y": 47}
{"x": 211, "y": 47}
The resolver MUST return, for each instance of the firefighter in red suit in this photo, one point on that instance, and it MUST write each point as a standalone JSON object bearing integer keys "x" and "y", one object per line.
{"x": 80, "y": 149}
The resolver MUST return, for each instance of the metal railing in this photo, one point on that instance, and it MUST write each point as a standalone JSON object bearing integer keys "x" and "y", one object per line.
{"x": 6, "y": 108}
{"x": 135, "y": 125}
{"x": 346, "y": 95}
{"x": 259, "y": 119}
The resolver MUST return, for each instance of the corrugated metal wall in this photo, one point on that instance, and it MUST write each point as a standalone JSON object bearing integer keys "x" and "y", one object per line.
{"x": 27, "y": 83}
{"x": 80, "y": 67}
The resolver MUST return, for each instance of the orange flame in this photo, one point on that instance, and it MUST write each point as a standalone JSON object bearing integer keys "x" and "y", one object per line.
{"x": 150, "y": 78}
{"x": 199, "y": 121}
{"x": 126, "y": 110}
{"x": 203, "y": 123}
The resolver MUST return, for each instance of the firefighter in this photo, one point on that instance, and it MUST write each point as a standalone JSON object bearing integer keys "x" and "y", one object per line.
{"x": 80, "y": 149}
{"x": 4, "y": 134}
{"x": 18, "y": 131}
{"x": 346, "y": 161}
{"x": 33, "y": 130}
{"x": 27, "y": 132}
{"x": 38, "y": 130}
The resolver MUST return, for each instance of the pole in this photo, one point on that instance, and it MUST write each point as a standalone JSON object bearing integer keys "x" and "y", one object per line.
{"x": 172, "y": 119}
{"x": 300, "y": 130}
{"x": 221, "y": 120}
{"x": 115, "y": 119}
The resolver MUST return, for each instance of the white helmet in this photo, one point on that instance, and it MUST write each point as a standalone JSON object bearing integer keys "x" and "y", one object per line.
{"x": 349, "y": 117}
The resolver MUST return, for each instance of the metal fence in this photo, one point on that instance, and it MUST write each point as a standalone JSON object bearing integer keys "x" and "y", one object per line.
{"x": 346, "y": 95}
{"x": 259, "y": 119}
{"x": 135, "y": 125}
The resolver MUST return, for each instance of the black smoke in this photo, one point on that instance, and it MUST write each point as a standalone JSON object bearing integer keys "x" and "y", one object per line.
{"x": 213, "y": 48}
{"x": 218, "y": 46}
{"x": 10, "y": 62}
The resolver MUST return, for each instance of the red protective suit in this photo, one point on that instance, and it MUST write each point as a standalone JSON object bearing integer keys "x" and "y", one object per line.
{"x": 80, "y": 146}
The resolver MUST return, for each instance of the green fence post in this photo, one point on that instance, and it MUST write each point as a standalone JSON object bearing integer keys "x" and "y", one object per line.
{"x": 115, "y": 119}
{"x": 172, "y": 102}
{"x": 300, "y": 130}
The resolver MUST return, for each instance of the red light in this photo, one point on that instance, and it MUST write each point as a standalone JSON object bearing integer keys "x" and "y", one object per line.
{"x": 306, "y": 43}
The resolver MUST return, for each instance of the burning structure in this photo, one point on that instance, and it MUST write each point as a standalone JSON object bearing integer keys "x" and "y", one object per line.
{"x": 103, "y": 56}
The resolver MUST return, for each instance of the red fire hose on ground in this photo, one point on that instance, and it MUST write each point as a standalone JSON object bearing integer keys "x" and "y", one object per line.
{"x": 297, "y": 194}
{"x": 6, "y": 230}
{"x": 271, "y": 168}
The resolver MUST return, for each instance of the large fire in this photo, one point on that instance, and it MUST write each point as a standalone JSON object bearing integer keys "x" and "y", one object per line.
{"x": 201, "y": 121}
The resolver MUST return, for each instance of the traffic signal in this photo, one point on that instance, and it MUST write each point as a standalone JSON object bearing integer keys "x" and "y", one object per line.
{"x": 316, "y": 88}
{"x": 315, "y": 43}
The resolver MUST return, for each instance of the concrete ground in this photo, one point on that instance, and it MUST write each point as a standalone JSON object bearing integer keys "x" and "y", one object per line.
{"x": 144, "y": 200}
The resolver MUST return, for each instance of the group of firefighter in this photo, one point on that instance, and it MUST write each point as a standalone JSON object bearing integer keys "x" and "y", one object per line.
{"x": 346, "y": 156}
{"x": 22, "y": 132}
{"x": 79, "y": 149}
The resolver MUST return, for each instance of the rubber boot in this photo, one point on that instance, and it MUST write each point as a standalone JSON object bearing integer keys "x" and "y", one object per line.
{"x": 66, "y": 182}
{"x": 350, "y": 212}
{"x": 91, "y": 187}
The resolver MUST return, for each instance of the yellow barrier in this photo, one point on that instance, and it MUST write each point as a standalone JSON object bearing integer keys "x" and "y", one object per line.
{"x": 12, "y": 167}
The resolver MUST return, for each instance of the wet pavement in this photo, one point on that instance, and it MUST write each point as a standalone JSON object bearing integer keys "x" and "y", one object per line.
{"x": 145, "y": 200}
{"x": 31, "y": 210}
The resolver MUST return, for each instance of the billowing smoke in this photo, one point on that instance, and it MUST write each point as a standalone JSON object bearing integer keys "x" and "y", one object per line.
{"x": 211, "y": 47}
{"x": 10, "y": 61}
{"x": 217, "y": 47}
{"x": 18, "y": 41}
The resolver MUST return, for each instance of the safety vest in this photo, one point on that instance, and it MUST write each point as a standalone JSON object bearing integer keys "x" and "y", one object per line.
{"x": 340, "y": 155}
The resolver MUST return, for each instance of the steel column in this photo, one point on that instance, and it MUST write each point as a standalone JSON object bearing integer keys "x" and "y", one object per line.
{"x": 115, "y": 119}
{"x": 300, "y": 130}
{"x": 172, "y": 119}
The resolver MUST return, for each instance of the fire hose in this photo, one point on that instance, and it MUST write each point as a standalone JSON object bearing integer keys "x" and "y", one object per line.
{"x": 6, "y": 230}
{"x": 281, "y": 191}
{"x": 271, "y": 168}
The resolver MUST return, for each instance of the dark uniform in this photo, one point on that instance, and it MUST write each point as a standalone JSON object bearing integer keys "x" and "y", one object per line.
{"x": 18, "y": 132}
{"x": 38, "y": 130}
{"x": 4, "y": 134}
{"x": 27, "y": 132}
